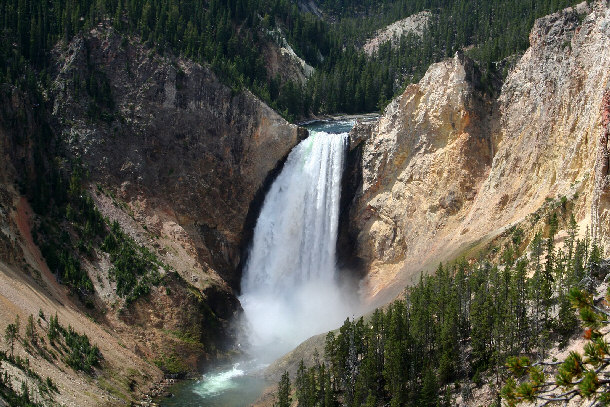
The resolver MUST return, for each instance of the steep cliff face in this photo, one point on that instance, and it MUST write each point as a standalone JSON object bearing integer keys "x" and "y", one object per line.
{"x": 177, "y": 159}
{"x": 14, "y": 126}
{"x": 421, "y": 166}
{"x": 27, "y": 286}
{"x": 600, "y": 209}
{"x": 184, "y": 152}
{"x": 446, "y": 168}
{"x": 550, "y": 118}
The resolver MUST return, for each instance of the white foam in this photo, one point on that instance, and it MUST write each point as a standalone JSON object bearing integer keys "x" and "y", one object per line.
{"x": 216, "y": 383}
{"x": 289, "y": 285}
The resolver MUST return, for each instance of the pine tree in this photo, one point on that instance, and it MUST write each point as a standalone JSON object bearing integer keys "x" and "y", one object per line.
{"x": 301, "y": 385}
{"x": 53, "y": 332}
{"x": 329, "y": 394}
{"x": 283, "y": 393}
{"x": 576, "y": 376}
{"x": 11, "y": 334}
{"x": 429, "y": 392}
{"x": 30, "y": 331}
{"x": 537, "y": 288}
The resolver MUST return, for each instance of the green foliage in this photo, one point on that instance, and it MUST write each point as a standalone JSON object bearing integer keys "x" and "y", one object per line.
{"x": 134, "y": 267}
{"x": 11, "y": 333}
{"x": 71, "y": 205}
{"x": 171, "y": 364}
{"x": 229, "y": 35}
{"x": 349, "y": 81}
{"x": 226, "y": 34}
{"x": 77, "y": 349}
{"x": 54, "y": 329}
{"x": 464, "y": 323}
{"x": 518, "y": 365}
{"x": 51, "y": 386}
{"x": 30, "y": 331}
{"x": 590, "y": 318}
{"x": 429, "y": 392}
{"x": 589, "y": 384}
{"x": 576, "y": 376}
{"x": 81, "y": 355}
{"x": 14, "y": 398}
{"x": 71, "y": 218}
{"x": 25, "y": 397}
{"x": 283, "y": 392}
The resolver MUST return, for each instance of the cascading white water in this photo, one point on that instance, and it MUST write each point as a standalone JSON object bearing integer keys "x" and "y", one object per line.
{"x": 289, "y": 286}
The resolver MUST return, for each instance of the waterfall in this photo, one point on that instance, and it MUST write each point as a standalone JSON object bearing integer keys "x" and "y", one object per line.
{"x": 289, "y": 287}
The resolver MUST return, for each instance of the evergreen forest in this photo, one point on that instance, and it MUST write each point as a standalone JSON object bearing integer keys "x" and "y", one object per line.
{"x": 457, "y": 329}
{"x": 229, "y": 34}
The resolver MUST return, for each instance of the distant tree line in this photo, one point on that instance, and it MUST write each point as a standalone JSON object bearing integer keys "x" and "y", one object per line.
{"x": 228, "y": 34}
{"x": 351, "y": 82}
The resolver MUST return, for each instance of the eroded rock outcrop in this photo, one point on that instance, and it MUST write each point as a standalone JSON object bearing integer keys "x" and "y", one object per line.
{"x": 421, "y": 166}
{"x": 29, "y": 288}
{"x": 446, "y": 168}
{"x": 16, "y": 123}
{"x": 550, "y": 125}
{"x": 600, "y": 209}
{"x": 412, "y": 25}
{"x": 185, "y": 152}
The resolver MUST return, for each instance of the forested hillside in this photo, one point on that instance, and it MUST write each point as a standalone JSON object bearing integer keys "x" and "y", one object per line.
{"x": 457, "y": 329}
{"x": 229, "y": 35}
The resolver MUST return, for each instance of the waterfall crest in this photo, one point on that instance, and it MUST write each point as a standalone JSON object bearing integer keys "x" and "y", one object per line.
{"x": 289, "y": 286}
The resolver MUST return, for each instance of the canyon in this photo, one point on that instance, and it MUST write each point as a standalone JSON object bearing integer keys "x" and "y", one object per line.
{"x": 182, "y": 163}
{"x": 448, "y": 167}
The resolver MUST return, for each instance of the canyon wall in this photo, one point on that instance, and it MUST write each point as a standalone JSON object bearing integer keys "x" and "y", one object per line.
{"x": 28, "y": 287}
{"x": 185, "y": 153}
{"x": 180, "y": 161}
{"x": 447, "y": 168}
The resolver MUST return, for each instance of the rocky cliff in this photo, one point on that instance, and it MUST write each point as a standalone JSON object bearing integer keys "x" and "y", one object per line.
{"x": 27, "y": 286}
{"x": 180, "y": 162}
{"x": 184, "y": 152}
{"x": 414, "y": 25}
{"x": 447, "y": 168}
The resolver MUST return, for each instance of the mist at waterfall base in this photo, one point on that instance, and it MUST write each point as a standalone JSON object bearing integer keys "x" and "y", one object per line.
{"x": 291, "y": 289}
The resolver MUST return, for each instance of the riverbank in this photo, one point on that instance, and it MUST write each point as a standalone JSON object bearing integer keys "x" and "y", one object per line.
{"x": 157, "y": 391}
{"x": 364, "y": 117}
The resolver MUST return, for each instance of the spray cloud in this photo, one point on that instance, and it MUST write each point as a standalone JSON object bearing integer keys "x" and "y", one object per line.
{"x": 289, "y": 288}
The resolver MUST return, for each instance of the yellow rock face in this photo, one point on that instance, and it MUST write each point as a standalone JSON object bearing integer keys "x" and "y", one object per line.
{"x": 447, "y": 166}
